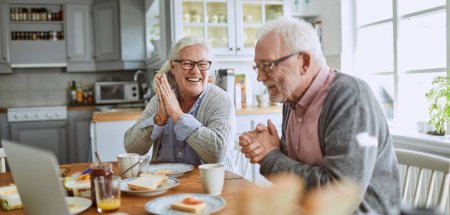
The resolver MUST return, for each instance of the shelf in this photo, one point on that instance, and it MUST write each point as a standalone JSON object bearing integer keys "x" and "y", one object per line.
{"x": 304, "y": 16}
{"x": 37, "y": 22}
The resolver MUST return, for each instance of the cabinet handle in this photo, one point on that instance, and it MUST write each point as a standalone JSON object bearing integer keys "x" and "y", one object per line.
{"x": 4, "y": 58}
{"x": 238, "y": 49}
{"x": 68, "y": 58}
{"x": 231, "y": 49}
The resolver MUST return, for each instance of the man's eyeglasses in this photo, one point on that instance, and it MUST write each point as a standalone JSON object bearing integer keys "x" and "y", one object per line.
{"x": 189, "y": 64}
{"x": 270, "y": 66}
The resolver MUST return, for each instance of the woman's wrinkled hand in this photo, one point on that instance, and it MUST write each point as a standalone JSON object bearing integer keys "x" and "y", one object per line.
{"x": 168, "y": 97}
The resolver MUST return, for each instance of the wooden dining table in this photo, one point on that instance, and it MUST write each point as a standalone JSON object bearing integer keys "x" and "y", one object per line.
{"x": 130, "y": 204}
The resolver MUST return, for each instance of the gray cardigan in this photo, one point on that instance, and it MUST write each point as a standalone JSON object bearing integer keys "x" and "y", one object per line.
{"x": 211, "y": 141}
{"x": 349, "y": 109}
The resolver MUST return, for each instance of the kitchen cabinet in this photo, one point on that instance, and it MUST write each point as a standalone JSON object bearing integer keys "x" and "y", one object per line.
{"x": 4, "y": 127}
{"x": 37, "y": 37}
{"x": 79, "y": 38}
{"x": 49, "y": 135}
{"x": 118, "y": 34}
{"x": 107, "y": 138}
{"x": 79, "y": 137}
{"x": 247, "y": 122}
{"x": 230, "y": 26}
{"x": 4, "y": 49}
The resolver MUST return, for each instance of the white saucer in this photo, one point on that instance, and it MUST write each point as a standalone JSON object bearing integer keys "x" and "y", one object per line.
{"x": 78, "y": 204}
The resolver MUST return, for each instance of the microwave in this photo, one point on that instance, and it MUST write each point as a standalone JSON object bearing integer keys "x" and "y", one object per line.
{"x": 116, "y": 92}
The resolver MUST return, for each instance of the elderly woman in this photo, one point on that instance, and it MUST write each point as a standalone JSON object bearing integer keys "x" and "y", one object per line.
{"x": 188, "y": 120}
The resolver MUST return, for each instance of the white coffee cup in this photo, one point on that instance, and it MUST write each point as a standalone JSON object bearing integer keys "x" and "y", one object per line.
{"x": 125, "y": 161}
{"x": 212, "y": 177}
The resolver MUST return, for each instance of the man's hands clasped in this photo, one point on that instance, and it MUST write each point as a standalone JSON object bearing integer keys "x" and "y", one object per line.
{"x": 258, "y": 143}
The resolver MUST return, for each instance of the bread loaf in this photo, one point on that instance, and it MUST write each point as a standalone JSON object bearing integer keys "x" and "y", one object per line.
{"x": 147, "y": 182}
{"x": 189, "y": 204}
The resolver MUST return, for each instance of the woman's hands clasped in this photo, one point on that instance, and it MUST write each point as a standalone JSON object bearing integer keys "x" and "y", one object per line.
{"x": 168, "y": 103}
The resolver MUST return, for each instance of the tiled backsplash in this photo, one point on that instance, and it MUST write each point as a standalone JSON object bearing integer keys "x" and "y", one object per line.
{"x": 47, "y": 87}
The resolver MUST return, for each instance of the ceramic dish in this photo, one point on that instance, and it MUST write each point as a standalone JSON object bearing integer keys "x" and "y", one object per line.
{"x": 161, "y": 205}
{"x": 77, "y": 204}
{"x": 171, "y": 182}
{"x": 170, "y": 169}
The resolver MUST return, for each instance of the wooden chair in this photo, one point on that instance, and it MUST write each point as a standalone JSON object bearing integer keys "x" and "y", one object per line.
{"x": 424, "y": 164}
{"x": 2, "y": 160}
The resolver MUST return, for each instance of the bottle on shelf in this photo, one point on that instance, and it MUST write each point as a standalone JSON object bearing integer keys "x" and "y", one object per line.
{"x": 79, "y": 94}
{"x": 73, "y": 93}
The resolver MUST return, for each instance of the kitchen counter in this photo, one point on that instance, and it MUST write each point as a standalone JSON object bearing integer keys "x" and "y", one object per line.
{"x": 124, "y": 114}
{"x": 121, "y": 114}
{"x": 259, "y": 110}
{"x": 75, "y": 108}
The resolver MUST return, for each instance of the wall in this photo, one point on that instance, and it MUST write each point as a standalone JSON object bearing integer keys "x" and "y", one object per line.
{"x": 47, "y": 87}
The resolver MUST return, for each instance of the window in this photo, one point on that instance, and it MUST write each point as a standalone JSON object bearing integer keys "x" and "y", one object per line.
{"x": 401, "y": 46}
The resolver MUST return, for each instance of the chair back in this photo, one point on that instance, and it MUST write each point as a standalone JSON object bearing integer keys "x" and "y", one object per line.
{"x": 2, "y": 160}
{"x": 430, "y": 169}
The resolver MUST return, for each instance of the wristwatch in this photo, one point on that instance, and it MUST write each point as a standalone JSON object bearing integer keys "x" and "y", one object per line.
{"x": 158, "y": 120}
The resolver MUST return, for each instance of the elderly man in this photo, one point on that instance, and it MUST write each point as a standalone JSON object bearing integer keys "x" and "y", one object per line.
{"x": 323, "y": 113}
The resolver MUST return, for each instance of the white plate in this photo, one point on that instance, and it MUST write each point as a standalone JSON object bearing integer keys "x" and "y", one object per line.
{"x": 171, "y": 182}
{"x": 161, "y": 205}
{"x": 177, "y": 169}
{"x": 78, "y": 204}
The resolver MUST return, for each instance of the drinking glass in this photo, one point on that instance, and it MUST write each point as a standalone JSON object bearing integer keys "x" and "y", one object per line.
{"x": 107, "y": 193}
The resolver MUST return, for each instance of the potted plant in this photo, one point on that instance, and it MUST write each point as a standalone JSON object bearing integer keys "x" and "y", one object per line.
{"x": 439, "y": 101}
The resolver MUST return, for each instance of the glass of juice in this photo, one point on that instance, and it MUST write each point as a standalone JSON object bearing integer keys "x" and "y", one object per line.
{"x": 99, "y": 169}
{"x": 107, "y": 193}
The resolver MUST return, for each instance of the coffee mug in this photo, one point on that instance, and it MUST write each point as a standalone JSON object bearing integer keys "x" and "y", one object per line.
{"x": 125, "y": 161}
{"x": 212, "y": 177}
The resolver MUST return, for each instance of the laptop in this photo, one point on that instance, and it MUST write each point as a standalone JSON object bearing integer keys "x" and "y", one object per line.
{"x": 35, "y": 172}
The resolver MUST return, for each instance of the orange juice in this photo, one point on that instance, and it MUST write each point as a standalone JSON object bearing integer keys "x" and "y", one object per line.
{"x": 107, "y": 205}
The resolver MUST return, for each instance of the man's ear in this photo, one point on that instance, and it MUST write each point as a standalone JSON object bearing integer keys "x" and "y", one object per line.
{"x": 306, "y": 61}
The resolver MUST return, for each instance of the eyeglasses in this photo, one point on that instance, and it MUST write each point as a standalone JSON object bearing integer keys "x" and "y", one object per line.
{"x": 270, "y": 66}
{"x": 189, "y": 64}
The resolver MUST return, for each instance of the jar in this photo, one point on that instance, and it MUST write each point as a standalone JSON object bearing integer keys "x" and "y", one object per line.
{"x": 99, "y": 169}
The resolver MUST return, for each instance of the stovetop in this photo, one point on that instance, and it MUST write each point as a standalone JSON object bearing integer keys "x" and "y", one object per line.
{"x": 37, "y": 114}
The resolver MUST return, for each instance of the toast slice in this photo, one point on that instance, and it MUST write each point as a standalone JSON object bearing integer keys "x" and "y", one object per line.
{"x": 147, "y": 182}
{"x": 189, "y": 204}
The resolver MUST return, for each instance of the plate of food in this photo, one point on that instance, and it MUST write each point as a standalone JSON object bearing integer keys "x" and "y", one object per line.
{"x": 170, "y": 169}
{"x": 186, "y": 203}
{"x": 78, "y": 204}
{"x": 148, "y": 184}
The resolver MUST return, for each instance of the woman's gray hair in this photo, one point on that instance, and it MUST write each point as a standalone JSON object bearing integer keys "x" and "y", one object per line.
{"x": 173, "y": 55}
{"x": 297, "y": 34}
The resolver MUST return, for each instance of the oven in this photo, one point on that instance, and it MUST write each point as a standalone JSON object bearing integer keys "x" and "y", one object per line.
{"x": 40, "y": 127}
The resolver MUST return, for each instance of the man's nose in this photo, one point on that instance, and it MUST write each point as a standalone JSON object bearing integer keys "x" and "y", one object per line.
{"x": 262, "y": 76}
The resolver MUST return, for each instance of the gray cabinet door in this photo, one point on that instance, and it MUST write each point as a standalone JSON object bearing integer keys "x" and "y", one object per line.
{"x": 106, "y": 30}
{"x": 49, "y": 135}
{"x": 4, "y": 35}
{"x": 79, "y": 38}
{"x": 79, "y": 138}
{"x": 4, "y": 128}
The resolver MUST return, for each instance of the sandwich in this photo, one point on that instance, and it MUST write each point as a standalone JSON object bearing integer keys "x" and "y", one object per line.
{"x": 189, "y": 204}
{"x": 147, "y": 182}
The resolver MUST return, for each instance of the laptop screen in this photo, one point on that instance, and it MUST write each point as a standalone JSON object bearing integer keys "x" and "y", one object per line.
{"x": 35, "y": 172}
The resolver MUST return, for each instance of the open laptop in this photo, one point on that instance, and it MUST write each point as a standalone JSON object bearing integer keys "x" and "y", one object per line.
{"x": 35, "y": 172}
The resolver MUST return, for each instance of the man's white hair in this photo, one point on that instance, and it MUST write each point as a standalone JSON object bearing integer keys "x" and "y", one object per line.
{"x": 297, "y": 34}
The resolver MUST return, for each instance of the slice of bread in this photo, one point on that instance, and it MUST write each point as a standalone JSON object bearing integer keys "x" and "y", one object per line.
{"x": 147, "y": 182}
{"x": 190, "y": 208}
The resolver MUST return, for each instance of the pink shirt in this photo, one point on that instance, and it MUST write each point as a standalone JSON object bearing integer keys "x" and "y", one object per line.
{"x": 302, "y": 135}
